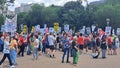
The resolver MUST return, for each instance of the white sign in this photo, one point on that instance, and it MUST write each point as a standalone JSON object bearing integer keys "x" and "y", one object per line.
{"x": 42, "y": 31}
{"x": 11, "y": 24}
{"x": 66, "y": 28}
{"x": 88, "y": 30}
{"x": 82, "y": 31}
{"x": 51, "y": 29}
{"x": 59, "y": 30}
{"x": 108, "y": 30}
{"x": 93, "y": 27}
{"x": 118, "y": 31}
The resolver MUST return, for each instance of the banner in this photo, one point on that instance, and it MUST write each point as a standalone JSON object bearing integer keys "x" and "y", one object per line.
{"x": 3, "y": 28}
{"x": 11, "y": 24}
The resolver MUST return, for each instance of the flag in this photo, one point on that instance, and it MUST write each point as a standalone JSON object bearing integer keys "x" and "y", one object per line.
{"x": 101, "y": 32}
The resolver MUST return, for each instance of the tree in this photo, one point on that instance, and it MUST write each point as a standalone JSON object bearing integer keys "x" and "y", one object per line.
{"x": 51, "y": 15}
{"x": 108, "y": 11}
{"x": 72, "y": 13}
{"x": 1, "y": 19}
{"x": 35, "y": 16}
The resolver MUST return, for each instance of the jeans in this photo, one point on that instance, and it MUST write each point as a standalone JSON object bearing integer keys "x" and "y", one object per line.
{"x": 75, "y": 57}
{"x": 35, "y": 53}
{"x": 28, "y": 49}
{"x": 13, "y": 56}
{"x": 4, "y": 57}
{"x": 104, "y": 53}
{"x": 66, "y": 50}
{"x": 44, "y": 47}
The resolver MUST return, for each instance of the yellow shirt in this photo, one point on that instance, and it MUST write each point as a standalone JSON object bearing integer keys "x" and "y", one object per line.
{"x": 13, "y": 44}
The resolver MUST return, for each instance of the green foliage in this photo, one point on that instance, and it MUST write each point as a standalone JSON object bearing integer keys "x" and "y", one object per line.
{"x": 73, "y": 14}
{"x": 108, "y": 11}
{"x": 1, "y": 20}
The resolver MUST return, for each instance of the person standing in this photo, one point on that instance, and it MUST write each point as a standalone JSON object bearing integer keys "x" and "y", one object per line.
{"x": 75, "y": 51}
{"x": 13, "y": 49}
{"x": 36, "y": 46}
{"x": 6, "y": 52}
{"x": 115, "y": 45}
{"x": 66, "y": 43}
{"x": 109, "y": 43}
{"x": 104, "y": 46}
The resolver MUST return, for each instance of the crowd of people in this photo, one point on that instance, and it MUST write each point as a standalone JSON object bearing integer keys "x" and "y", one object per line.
{"x": 71, "y": 45}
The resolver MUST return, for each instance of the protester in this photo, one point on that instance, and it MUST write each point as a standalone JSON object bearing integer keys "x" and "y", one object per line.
{"x": 87, "y": 42}
{"x": 110, "y": 44}
{"x": 36, "y": 46}
{"x": 6, "y": 52}
{"x": 66, "y": 43}
{"x": 80, "y": 41}
{"x": 13, "y": 50}
{"x": 115, "y": 45}
{"x": 21, "y": 43}
{"x": 104, "y": 46}
{"x": 75, "y": 51}
{"x": 51, "y": 45}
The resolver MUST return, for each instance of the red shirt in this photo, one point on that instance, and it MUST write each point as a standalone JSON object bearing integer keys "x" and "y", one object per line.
{"x": 80, "y": 40}
{"x": 21, "y": 40}
{"x": 109, "y": 40}
{"x": 87, "y": 39}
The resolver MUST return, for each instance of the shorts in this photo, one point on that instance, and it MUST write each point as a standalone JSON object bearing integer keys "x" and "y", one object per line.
{"x": 81, "y": 47}
{"x": 52, "y": 47}
{"x": 47, "y": 46}
{"x": 110, "y": 46}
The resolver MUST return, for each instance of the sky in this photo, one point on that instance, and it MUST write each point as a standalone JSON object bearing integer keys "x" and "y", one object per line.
{"x": 46, "y": 2}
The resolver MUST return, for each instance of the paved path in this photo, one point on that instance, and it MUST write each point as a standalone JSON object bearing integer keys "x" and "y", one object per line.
{"x": 85, "y": 61}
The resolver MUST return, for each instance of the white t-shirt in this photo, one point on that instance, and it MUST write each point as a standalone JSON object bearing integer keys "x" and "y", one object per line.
{"x": 51, "y": 40}
{"x": 6, "y": 49}
{"x": 117, "y": 42}
{"x": 36, "y": 43}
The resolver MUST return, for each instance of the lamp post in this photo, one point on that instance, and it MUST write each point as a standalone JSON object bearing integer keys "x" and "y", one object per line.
{"x": 108, "y": 21}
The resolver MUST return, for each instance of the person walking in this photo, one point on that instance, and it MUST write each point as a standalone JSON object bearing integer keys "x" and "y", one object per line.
{"x": 6, "y": 52}
{"x": 51, "y": 45}
{"x": 13, "y": 49}
{"x": 21, "y": 44}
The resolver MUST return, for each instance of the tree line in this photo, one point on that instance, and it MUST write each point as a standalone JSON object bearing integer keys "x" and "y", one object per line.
{"x": 74, "y": 14}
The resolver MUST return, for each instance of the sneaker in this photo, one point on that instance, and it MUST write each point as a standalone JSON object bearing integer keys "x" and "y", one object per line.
{"x": 68, "y": 62}
{"x": 12, "y": 66}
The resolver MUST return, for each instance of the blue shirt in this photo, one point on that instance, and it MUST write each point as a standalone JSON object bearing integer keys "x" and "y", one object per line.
{"x": 66, "y": 43}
